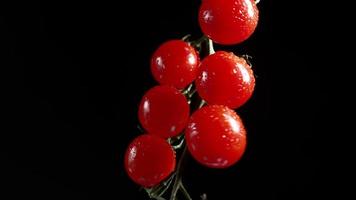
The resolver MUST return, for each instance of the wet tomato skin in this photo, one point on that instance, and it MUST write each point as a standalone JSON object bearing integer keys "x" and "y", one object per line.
{"x": 225, "y": 79}
{"x": 228, "y": 22}
{"x": 164, "y": 111}
{"x": 149, "y": 160}
{"x": 175, "y": 63}
{"x": 216, "y": 136}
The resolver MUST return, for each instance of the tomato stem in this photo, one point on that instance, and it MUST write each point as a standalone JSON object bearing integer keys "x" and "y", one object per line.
{"x": 178, "y": 185}
{"x": 186, "y": 37}
{"x": 202, "y": 103}
{"x": 185, "y": 192}
{"x": 198, "y": 42}
{"x": 178, "y": 180}
{"x": 157, "y": 191}
{"x": 210, "y": 47}
{"x": 178, "y": 143}
{"x": 187, "y": 90}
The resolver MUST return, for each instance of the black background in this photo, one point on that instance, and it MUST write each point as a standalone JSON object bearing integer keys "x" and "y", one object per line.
{"x": 79, "y": 69}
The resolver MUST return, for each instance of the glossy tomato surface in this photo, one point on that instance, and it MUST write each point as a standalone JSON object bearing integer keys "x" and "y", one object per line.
{"x": 228, "y": 21}
{"x": 164, "y": 111}
{"x": 225, "y": 79}
{"x": 175, "y": 63}
{"x": 216, "y": 136}
{"x": 149, "y": 159}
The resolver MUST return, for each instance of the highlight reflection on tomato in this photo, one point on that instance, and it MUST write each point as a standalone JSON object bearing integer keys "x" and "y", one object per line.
{"x": 149, "y": 159}
{"x": 216, "y": 136}
{"x": 164, "y": 111}
{"x": 225, "y": 79}
{"x": 229, "y": 21}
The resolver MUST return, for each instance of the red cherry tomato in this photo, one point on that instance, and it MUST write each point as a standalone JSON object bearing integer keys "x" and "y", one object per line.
{"x": 149, "y": 159}
{"x": 228, "y": 21}
{"x": 215, "y": 136}
{"x": 164, "y": 111}
{"x": 175, "y": 63}
{"x": 225, "y": 79}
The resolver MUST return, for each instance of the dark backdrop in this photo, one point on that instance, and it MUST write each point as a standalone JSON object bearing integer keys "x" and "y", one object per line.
{"x": 79, "y": 69}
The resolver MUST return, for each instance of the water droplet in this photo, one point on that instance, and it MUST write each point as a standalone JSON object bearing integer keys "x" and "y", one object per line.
{"x": 173, "y": 128}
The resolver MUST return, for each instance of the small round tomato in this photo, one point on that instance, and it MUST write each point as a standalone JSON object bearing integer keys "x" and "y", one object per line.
{"x": 225, "y": 79}
{"x": 149, "y": 159}
{"x": 175, "y": 63}
{"x": 216, "y": 136}
{"x": 229, "y": 21}
{"x": 164, "y": 111}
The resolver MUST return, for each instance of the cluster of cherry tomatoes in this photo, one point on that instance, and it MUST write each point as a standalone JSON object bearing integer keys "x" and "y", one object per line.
{"x": 214, "y": 134}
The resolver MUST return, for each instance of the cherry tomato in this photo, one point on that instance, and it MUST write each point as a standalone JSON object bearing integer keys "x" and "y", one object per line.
{"x": 228, "y": 21}
{"x": 225, "y": 79}
{"x": 164, "y": 111}
{"x": 216, "y": 136}
{"x": 175, "y": 63}
{"x": 149, "y": 159}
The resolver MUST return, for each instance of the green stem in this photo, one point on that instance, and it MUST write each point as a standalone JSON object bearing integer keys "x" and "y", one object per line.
{"x": 157, "y": 191}
{"x": 185, "y": 192}
{"x": 178, "y": 181}
{"x": 166, "y": 186}
{"x": 198, "y": 43}
{"x": 187, "y": 90}
{"x": 179, "y": 145}
{"x": 186, "y": 37}
{"x": 159, "y": 198}
{"x": 202, "y": 103}
{"x": 210, "y": 47}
